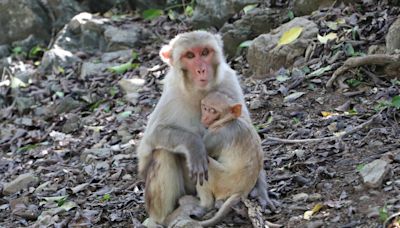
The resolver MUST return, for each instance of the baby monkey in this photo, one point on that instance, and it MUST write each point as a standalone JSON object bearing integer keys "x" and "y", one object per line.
{"x": 235, "y": 154}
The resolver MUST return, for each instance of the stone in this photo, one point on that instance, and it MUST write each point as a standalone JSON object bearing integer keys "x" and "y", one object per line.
{"x": 300, "y": 197}
{"x": 265, "y": 56}
{"x": 393, "y": 37}
{"x": 306, "y": 7}
{"x": 125, "y": 37}
{"x": 72, "y": 124}
{"x": 374, "y": 173}
{"x": 89, "y": 68}
{"x": 66, "y": 105}
{"x": 19, "y": 19}
{"x": 255, "y": 22}
{"x": 22, "y": 181}
{"x": 121, "y": 56}
{"x": 215, "y": 13}
{"x": 57, "y": 57}
{"x": 4, "y": 50}
{"x": 131, "y": 85}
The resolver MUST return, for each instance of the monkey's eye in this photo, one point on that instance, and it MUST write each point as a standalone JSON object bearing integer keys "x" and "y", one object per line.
{"x": 189, "y": 55}
{"x": 205, "y": 52}
{"x": 213, "y": 111}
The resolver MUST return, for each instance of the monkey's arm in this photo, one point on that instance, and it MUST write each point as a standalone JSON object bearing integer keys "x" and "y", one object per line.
{"x": 179, "y": 140}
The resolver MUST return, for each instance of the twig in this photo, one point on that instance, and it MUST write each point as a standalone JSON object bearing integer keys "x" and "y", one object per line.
{"x": 330, "y": 138}
{"x": 376, "y": 59}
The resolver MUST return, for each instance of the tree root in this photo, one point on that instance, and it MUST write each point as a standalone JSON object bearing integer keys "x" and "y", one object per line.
{"x": 374, "y": 118}
{"x": 376, "y": 59}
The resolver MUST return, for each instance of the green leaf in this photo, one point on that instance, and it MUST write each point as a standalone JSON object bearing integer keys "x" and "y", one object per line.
{"x": 383, "y": 214}
{"x": 245, "y": 44}
{"x": 189, "y": 11}
{"x": 135, "y": 55}
{"x": 17, "y": 50}
{"x": 120, "y": 69}
{"x": 67, "y": 206}
{"x": 60, "y": 94}
{"x": 248, "y": 8}
{"x": 172, "y": 15}
{"x": 290, "y": 15}
{"x": 396, "y": 102}
{"x": 349, "y": 49}
{"x": 106, "y": 197}
{"x": 353, "y": 82}
{"x": 291, "y": 35}
{"x": 320, "y": 71}
{"x": 282, "y": 78}
{"x": 151, "y": 14}
{"x": 35, "y": 52}
{"x": 360, "y": 167}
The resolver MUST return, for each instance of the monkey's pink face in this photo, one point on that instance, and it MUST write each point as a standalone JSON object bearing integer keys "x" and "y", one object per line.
{"x": 208, "y": 115}
{"x": 198, "y": 62}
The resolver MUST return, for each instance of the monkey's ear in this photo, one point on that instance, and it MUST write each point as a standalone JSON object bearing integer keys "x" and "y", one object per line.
{"x": 236, "y": 110}
{"x": 166, "y": 54}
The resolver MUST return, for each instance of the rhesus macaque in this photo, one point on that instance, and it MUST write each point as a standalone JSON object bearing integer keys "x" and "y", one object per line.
{"x": 172, "y": 148}
{"x": 239, "y": 158}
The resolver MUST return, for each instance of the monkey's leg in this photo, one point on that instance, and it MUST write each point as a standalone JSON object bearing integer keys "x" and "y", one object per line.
{"x": 164, "y": 185}
{"x": 261, "y": 191}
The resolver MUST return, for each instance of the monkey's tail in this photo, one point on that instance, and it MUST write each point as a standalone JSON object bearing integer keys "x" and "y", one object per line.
{"x": 223, "y": 211}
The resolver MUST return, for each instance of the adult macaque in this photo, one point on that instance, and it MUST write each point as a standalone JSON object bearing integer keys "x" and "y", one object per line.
{"x": 172, "y": 148}
{"x": 238, "y": 161}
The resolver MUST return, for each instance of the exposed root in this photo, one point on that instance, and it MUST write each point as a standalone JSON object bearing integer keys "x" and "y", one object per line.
{"x": 376, "y": 59}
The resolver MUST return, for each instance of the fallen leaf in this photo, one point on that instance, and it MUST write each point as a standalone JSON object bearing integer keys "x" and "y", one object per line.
{"x": 293, "y": 96}
{"x": 326, "y": 38}
{"x": 320, "y": 71}
{"x": 290, "y": 35}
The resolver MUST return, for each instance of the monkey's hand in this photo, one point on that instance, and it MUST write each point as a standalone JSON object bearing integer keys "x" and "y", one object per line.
{"x": 198, "y": 162}
{"x": 179, "y": 140}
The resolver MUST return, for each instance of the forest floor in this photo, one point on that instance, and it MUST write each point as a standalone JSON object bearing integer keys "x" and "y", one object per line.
{"x": 86, "y": 164}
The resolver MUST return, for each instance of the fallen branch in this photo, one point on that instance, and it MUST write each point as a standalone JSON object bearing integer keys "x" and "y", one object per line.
{"x": 376, "y": 59}
{"x": 330, "y": 138}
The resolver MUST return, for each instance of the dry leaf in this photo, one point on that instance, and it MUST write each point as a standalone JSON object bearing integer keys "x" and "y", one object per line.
{"x": 290, "y": 35}
{"x": 326, "y": 38}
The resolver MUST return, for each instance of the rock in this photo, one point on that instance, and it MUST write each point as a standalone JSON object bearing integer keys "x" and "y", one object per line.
{"x": 256, "y": 103}
{"x": 89, "y": 68}
{"x": 4, "y": 62}
{"x": 124, "y": 37}
{"x": 57, "y": 57}
{"x": 265, "y": 56}
{"x": 4, "y": 50}
{"x": 306, "y": 7}
{"x": 300, "y": 197}
{"x": 89, "y": 34}
{"x": 24, "y": 103}
{"x": 19, "y": 19}
{"x": 121, "y": 56}
{"x": 64, "y": 10}
{"x": 315, "y": 224}
{"x": 251, "y": 25}
{"x": 131, "y": 85}
{"x": 22, "y": 181}
{"x": 95, "y": 154}
{"x": 72, "y": 124}
{"x": 216, "y": 13}
{"x": 393, "y": 37}
{"x": 67, "y": 104}
{"x": 374, "y": 173}
{"x": 148, "y": 4}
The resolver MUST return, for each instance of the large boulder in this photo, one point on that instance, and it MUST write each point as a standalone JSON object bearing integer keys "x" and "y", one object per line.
{"x": 89, "y": 34}
{"x": 266, "y": 56}
{"x": 393, "y": 37}
{"x": 19, "y": 19}
{"x": 216, "y": 13}
{"x": 255, "y": 22}
{"x": 306, "y": 7}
